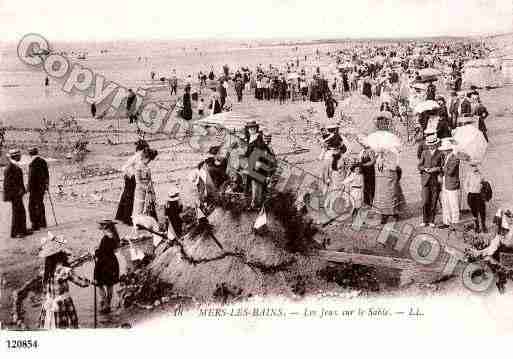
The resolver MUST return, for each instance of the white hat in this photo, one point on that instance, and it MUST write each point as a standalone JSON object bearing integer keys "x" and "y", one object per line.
{"x": 448, "y": 143}
{"x": 432, "y": 140}
{"x": 173, "y": 196}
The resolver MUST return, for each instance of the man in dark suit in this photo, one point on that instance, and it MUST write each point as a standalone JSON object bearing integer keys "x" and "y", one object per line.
{"x": 430, "y": 166}
{"x": 14, "y": 190}
{"x": 453, "y": 110}
{"x": 38, "y": 180}
{"x": 451, "y": 184}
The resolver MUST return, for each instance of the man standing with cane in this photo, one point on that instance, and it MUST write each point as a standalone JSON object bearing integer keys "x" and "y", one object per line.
{"x": 38, "y": 180}
{"x": 13, "y": 192}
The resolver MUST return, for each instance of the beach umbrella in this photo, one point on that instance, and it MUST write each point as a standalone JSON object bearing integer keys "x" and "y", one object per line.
{"x": 419, "y": 86}
{"x": 471, "y": 142}
{"x": 384, "y": 141}
{"x": 429, "y": 72}
{"x": 426, "y": 106}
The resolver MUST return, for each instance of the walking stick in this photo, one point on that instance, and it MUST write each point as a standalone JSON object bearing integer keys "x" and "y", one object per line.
{"x": 94, "y": 300}
{"x": 53, "y": 209}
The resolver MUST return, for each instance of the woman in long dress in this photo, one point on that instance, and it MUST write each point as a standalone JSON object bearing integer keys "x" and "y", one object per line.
{"x": 145, "y": 198}
{"x": 388, "y": 197}
{"x": 126, "y": 202}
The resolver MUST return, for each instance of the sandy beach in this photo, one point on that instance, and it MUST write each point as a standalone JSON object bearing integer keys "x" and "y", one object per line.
{"x": 88, "y": 199}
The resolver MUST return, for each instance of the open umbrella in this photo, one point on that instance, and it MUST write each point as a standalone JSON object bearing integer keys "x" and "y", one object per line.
{"x": 429, "y": 72}
{"x": 471, "y": 142}
{"x": 426, "y": 106}
{"x": 384, "y": 141}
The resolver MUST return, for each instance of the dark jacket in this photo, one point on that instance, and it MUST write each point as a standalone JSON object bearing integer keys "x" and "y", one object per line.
{"x": 466, "y": 107}
{"x": 172, "y": 212}
{"x": 482, "y": 113}
{"x": 428, "y": 160}
{"x": 38, "y": 177}
{"x": 187, "y": 107}
{"x": 13, "y": 182}
{"x": 451, "y": 171}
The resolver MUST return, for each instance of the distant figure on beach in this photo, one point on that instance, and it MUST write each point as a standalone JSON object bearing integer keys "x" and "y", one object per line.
{"x": 186, "y": 102}
{"x": 173, "y": 83}
{"x": 47, "y": 82}
{"x": 330, "y": 103}
{"x": 38, "y": 180}
{"x": 201, "y": 107}
{"x": 93, "y": 110}
{"x": 131, "y": 105}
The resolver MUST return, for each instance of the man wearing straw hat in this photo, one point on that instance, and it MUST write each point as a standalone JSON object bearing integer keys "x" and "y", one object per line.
{"x": 14, "y": 190}
{"x": 430, "y": 165}
{"x": 450, "y": 184}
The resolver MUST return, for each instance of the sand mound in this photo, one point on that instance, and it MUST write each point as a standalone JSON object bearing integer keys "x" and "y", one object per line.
{"x": 228, "y": 253}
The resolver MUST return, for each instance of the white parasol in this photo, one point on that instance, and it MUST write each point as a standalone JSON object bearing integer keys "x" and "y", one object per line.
{"x": 426, "y": 106}
{"x": 384, "y": 141}
{"x": 471, "y": 142}
{"x": 429, "y": 72}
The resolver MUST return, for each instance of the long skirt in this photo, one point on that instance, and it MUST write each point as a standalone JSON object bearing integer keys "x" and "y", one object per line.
{"x": 369, "y": 184}
{"x": 450, "y": 207}
{"x": 388, "y": 198}
{"x": 58, "y": 313}
{"x": 126, "y": 203}
{"x": 464, "y": 171}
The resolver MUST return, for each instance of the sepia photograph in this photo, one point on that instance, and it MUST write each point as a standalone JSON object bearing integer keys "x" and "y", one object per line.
{"x": 254, "y": 167}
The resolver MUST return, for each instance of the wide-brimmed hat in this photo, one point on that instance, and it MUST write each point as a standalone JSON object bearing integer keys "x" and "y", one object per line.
{"x": 448, "y": 144}
{"x": 107, "y": 224}
{"x": 214, "y": 150}
{"x": 251, "y": 124}
{"x": 14, "y": 152}
{"x": 52, "y": 244}
{"x": 332, "y": 126}
{"x": 173, "y": 196}
{"x": 432, "y": 140}
{"x": 429, "y": 131}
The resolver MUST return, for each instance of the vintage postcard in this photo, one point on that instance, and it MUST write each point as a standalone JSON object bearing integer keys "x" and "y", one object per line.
{"x": 254, "y": 168}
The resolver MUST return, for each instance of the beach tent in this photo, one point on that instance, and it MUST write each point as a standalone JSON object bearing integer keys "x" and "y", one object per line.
{"x": 481, "y": 73}
{"x": 507, "y": 70}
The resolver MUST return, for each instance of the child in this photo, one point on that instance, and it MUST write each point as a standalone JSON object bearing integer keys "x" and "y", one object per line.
{"x": 353, "y": 184}
{"x": 172, "y": 210}
{"x": 201, "y": 107}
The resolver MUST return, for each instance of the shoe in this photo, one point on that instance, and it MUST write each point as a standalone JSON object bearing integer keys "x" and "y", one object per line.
{"x": 432, "y": 225}
{"x": 423, "y": 224}
{"x": 444, "y": 226}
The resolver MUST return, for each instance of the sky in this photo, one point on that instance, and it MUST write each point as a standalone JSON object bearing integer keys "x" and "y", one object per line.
{"x": 99, "y": 20}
